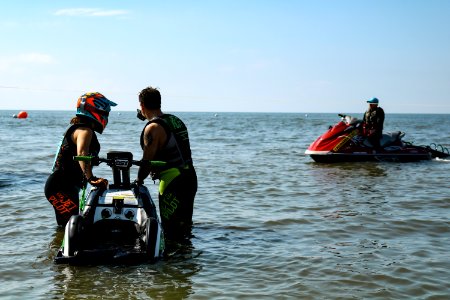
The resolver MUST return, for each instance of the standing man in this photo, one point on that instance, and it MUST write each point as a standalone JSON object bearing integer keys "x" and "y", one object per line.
{"x": 165, "y": 138}
{"x": 373, "y": 123}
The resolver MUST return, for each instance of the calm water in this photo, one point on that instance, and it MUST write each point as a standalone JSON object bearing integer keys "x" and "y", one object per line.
{"x": 269, "y": 222}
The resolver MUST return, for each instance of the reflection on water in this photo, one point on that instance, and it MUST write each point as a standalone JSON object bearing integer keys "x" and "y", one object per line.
{"x": 339, "y": 171}
{"x": 166, "y": 279}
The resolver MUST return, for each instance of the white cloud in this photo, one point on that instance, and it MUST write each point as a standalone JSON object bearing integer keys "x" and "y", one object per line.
{"x": 39, "y": 58}
{"x": 90, "y": 12}
{"x": 16, "y": 63}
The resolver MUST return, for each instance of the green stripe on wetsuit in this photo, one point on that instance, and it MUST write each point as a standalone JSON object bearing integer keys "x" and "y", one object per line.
{"x": 166, "y": 178}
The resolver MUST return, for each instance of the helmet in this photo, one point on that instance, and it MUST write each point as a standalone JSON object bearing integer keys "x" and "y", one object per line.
{"x": 373, "y": 101}
{"x": 96, "y": 107}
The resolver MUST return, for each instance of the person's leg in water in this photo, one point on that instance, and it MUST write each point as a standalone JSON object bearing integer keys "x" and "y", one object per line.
{"x": 176, "y": 205}
{"x": 375, "y": 141}
{"x": 63, "y": 197}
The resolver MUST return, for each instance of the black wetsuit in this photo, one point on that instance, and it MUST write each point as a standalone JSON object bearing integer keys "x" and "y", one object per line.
{"x": 178, "y": 181}
{"x": 63, "y": 185}
{"x": 373, "y": 125}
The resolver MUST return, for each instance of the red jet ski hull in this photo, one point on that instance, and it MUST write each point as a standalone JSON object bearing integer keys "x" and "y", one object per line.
{"x": 344, "y": 142}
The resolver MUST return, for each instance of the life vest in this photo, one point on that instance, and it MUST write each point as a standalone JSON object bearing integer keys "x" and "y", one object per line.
{"x": 177, "y": 150}
{"x": 373, "y": 120}
{"x": 68, "y": 149}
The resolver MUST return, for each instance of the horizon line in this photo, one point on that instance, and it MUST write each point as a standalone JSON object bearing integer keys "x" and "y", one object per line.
{"x": 238, "y": 112}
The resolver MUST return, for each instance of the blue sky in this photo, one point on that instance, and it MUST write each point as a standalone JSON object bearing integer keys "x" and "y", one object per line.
{"x": 235, "y": 55}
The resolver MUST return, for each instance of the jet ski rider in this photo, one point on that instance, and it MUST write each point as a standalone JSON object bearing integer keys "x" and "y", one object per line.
{"x": 165, "y": 138}
{"x": 373, "y": 123}
{"x": 68, "y": 176}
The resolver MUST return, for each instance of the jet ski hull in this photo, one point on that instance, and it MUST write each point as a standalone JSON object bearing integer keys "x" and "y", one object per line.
{"x": 344, "y": 142}
{"x": 117, "y": 224}
{"x": 361, "y": 157}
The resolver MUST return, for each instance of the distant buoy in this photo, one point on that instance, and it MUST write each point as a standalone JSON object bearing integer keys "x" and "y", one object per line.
{"x": 22, "y": 115}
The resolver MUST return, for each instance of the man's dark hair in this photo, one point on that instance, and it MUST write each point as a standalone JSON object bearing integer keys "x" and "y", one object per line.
{"x": 150, "y": 98}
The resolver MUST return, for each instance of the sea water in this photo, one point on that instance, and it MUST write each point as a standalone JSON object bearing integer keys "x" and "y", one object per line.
{"x": 269, "y": 223}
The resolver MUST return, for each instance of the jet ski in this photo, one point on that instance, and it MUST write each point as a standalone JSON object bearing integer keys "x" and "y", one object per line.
{"x": 344, "y": 142}
{"x": 116, "y": 224}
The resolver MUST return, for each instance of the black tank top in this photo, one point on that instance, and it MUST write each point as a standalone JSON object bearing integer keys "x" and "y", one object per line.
{"x": 64, "y": 162}
{"x": 177, "y": 150}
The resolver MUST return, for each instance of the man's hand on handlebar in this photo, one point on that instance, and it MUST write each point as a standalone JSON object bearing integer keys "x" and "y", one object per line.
{"x": 137, "y": 182}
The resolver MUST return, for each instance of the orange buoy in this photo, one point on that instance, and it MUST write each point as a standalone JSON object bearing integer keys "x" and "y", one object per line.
{"x": 22, "y": 115}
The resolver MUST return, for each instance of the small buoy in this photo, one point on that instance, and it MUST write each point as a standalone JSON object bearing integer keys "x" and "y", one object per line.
{"x": 215, "y": 115}
{"x": 22, "y": 115}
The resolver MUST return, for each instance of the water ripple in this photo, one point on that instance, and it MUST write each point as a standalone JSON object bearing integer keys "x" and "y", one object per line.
{"x": 268, "y": 222}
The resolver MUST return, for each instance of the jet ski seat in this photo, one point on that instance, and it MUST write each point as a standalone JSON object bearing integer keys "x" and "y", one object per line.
{"x": 387, "y": 138}
{"x": 391, "y": 137}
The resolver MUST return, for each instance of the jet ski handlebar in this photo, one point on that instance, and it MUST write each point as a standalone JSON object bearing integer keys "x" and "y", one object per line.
{"x": 119, "y": 162}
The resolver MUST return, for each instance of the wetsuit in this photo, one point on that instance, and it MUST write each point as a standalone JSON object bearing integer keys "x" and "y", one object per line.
{"x": 178, "y": 180}
{"x": 63, "y": 185}
{"x": 373, "y": 125}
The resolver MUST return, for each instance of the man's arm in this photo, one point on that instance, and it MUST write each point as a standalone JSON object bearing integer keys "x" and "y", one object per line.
{"x": 154, "y": 139}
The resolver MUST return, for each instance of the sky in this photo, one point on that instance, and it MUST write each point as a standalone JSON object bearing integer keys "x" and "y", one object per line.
{"x": 228, "y": 56}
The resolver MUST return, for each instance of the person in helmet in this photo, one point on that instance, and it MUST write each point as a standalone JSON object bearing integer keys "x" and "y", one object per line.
{"x": 165, "y": 138}
{"x": 68, "y": 176}
{"x": 373, "y": 121}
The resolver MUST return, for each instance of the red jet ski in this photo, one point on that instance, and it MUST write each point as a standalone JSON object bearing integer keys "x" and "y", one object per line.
{"x": 344, "y": 142}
